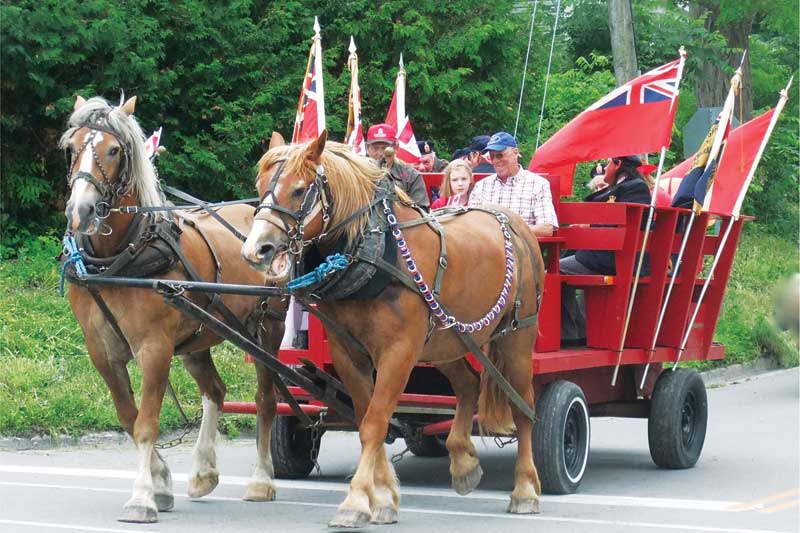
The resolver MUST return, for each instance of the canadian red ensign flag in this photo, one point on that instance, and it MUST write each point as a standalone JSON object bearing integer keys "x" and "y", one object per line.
{"x": 635, "y": 118}
{"x": 310, "y": 119}
{"x": 407, "y": 150}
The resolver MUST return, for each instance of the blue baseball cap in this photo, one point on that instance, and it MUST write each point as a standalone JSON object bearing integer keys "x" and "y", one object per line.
{"x": 500, "y": 141}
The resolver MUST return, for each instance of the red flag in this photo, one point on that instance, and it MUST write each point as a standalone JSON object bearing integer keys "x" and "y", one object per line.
{"x": 354, "y": 137}
{"x": 310, "y": 119}
{"x": 407, "y": 149}
{"x": 671, "y": 179}
{"x": 740, "y": 154}
{"x": 635, "y": 118}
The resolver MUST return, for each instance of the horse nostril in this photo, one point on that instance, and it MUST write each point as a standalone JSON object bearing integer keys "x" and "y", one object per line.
{"x": 85, "y": 210}
{"x": 265, "y": 249}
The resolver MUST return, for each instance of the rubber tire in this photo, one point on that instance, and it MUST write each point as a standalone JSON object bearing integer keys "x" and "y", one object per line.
{"x": 676, "y": 428}
{"x": 561, "y": 436}
{"x": 290, "y": 446}
{"x": 427, "y": 445}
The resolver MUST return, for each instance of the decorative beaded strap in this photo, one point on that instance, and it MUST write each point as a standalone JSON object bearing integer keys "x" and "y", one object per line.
{"x": 447, "y": 320}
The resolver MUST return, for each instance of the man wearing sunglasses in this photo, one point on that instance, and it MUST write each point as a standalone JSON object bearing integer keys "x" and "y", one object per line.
{"x": 515, "y": 187}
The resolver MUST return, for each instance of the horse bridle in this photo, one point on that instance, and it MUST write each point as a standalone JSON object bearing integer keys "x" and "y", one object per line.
{"x": 109, "y": 192}
{"x": 315, "y": 200}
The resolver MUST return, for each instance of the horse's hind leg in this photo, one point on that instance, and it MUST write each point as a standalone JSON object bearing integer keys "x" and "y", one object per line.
{"x": 465, "y": 469}
{"x": 517, "y": 348}
{"x": 204, "y": 476}
{"x": 262, "y": 485}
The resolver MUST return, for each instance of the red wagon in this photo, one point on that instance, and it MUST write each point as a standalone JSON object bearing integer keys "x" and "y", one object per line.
{"x": 571, "y": 385}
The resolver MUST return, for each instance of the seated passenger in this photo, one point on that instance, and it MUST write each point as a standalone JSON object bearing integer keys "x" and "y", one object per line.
{"x": 457, "y": 184}
{"x": 381, "y": 145}
{"x": 512, "y": 186}
{"x": 624, "y": 184}
{"x": 476, "y": 156}
{"x": 428, "y": 161}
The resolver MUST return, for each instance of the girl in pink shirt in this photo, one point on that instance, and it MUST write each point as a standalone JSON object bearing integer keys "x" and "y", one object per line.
{"x": 457, "y": 184}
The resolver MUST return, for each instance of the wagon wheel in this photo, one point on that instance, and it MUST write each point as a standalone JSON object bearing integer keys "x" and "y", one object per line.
{"x": 294, "y": 448}
{"x": 676, "y": 428}
{"x": 426, "y": 445}
{"x": 561, "y": 437}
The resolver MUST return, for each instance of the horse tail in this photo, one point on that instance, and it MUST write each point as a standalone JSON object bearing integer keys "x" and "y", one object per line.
{"x": 494, "y": 410}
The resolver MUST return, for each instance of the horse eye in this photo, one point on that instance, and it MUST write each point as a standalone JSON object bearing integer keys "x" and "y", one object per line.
{"x": 113, "y": 151}
{"x": 298, "y": 193}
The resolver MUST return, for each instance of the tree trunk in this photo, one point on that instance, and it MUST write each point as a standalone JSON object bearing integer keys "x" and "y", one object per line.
{"x": 713, "y": 82}
{"x": 623, "y": 44}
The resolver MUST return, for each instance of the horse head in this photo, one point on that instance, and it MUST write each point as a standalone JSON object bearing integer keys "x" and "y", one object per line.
{"x": 311, "y": 193}
{"x": 104, "y": 148}
{"x": 295, "y": 205}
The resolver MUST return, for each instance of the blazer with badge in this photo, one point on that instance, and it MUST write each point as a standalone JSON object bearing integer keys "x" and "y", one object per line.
{"x": 631, "y": 190}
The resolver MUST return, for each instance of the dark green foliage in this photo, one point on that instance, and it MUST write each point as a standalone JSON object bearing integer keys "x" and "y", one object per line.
{"x": 221, "y": 76}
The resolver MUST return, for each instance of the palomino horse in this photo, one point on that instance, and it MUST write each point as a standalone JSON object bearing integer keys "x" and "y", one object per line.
{"x": 315, "y": 194}
{"x": 108, "y": 169}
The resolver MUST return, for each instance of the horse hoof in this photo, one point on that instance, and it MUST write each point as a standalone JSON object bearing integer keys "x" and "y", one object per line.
{"x": 139, "y": 514}
{"x": 523, "y": 506}
{"x": 258, "y": 491}
{"x": 465, "y": 484}
{"x": 164, "y": 502}
{"x": 384, "y": 515}
{"x": 349, "y": 518}
{"x": 200, "y": 485}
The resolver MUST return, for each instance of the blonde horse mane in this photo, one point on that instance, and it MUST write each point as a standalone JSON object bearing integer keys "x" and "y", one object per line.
{"x": 143, "y": 181}
{"x": 352, "y": 180}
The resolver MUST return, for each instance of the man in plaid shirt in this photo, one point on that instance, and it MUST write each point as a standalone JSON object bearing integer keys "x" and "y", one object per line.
{"x": 515, "y": 188}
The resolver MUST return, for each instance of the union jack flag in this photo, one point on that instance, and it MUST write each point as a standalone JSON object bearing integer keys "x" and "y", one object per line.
{"x": 310, "y": 119}
{"x": 635, "y": 118}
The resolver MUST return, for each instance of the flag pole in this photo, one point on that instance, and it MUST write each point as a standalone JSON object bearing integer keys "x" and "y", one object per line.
{"x": 735, "y": 215}
{"x": 352, "y": 65}
{"x": 730, "y": 101}
{"x": 318, "y": 74}
{"x": 650, "y": 213}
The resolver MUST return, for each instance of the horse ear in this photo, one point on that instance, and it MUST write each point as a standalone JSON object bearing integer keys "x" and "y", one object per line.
{"x": 276, "y": 140}
{"x": 129, "y": 106}
{"x": 315, "y": 147}
{"x": 79, "y": 103}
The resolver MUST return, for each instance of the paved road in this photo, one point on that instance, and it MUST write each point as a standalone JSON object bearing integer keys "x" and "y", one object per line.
{"x": 748, "y": 480}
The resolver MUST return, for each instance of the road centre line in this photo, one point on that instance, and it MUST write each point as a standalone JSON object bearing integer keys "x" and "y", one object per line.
{"x": 67, "y": 526}
{"x": 328, "y": 486}
{"x": 759, "y": 503}
{"x": 540, "y": 518}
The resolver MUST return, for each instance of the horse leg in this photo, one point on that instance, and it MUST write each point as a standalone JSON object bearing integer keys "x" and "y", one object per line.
{"x": 204, "y": 476}
{"x": 115, "y": 373}
{"x": 358, "y": 381}
{"x": 363, "y": 502}
{"x": 262, "y": 486}
{"x": 516, "y": 349}
{"x": 154, "y": 359}
{"x": 465, "y": 470}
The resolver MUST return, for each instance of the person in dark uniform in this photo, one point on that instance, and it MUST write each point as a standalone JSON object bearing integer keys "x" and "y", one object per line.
{"x": 625, "y": 184}
{"x": 381, "y": 143}
{"x": 480, "y": 165}
{"x": 428, "y": 161}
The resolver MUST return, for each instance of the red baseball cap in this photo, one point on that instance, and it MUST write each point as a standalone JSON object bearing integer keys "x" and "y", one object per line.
{"x": 381, "y": 133}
